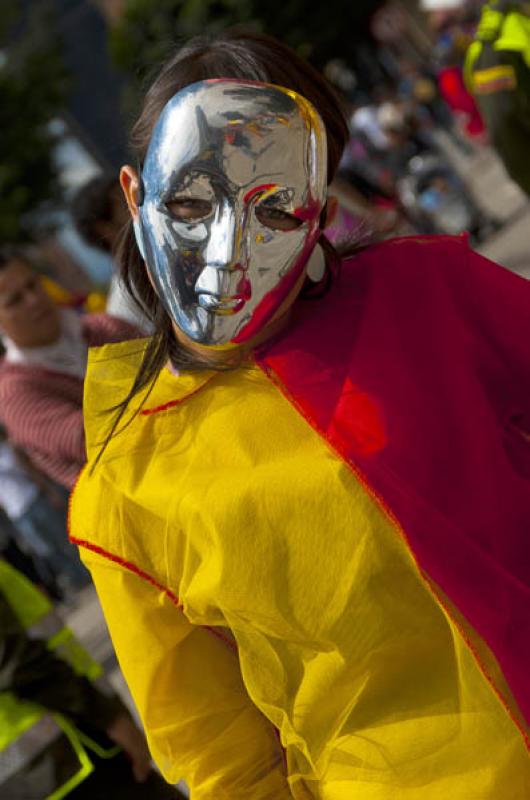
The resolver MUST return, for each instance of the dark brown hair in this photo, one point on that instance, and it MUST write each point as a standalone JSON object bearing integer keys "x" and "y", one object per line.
{"x": 234, "y": 54}
{"x": 91, "y": 205}
{"x": 13, "y": 252}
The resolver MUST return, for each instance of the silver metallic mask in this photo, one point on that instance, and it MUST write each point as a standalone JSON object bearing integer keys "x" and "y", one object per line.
{"x": 234, "y": 183}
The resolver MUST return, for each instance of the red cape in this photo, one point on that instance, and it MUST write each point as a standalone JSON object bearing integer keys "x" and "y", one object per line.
{"x": 416, "y": 369}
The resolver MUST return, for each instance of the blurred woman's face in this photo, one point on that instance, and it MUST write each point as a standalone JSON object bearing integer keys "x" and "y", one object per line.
{"x": 28, "y": 316}
{"x": 234, "y": 183}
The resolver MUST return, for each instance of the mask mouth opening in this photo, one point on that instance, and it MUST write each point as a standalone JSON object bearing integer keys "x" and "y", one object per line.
{"x": 222, "y": 306}
{"x": 223, "y": 283}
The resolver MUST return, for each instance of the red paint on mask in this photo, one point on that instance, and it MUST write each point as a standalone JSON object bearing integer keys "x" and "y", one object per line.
{"x": 272, "y": 300}
{"x": 308, "y": 212}
{"x": 244, "y": 288}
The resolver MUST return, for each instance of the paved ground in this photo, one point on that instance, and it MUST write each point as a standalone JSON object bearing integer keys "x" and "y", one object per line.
{"x": 510, "y": 246}
{"x": 496, "y": 193}
{"x": 88, "y": 623}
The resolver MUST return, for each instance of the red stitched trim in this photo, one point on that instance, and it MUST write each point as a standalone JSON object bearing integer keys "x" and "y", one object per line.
{"x": 217, "y": 632}
{"x": 146, "y": 411}
{"x": 174, "y": 599}
{"x": 141, "y": 574}
{"x": 137, "y": 571}
{"x": 172, "y": 403}
{"x": 131, "y": 567}
{"x": 277, "y": 381}
{"x": 483, "y": 669}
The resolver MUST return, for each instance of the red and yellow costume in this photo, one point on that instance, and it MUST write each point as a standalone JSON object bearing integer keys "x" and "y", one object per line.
{"x": 313, "y": 567}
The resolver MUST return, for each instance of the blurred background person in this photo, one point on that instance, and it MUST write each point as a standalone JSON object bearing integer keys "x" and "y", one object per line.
{"x": 60, "y": 734}
{"x": 14, "y": 552}
{"x": 99, "y": 213}
{"x": 498, "y": 74}
{"x": 454, "y": 91}
{"x": 38, "y": 512}
{"x": 42, "y": 371}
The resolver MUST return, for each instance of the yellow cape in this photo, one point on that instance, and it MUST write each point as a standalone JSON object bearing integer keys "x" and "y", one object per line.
{"x": 273, "y": 627}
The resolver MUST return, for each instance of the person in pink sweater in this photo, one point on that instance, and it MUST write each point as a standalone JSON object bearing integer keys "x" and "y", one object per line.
{"x": 43, "y": 369}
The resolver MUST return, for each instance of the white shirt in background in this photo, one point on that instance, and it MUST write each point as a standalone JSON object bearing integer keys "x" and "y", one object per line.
{"x": 17, "y": 490}
{"x": 120, "y": 305}
{"x": 68, "y": 354}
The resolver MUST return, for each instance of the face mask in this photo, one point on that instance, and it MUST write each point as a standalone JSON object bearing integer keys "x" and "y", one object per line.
{"x": 234, "y": 184}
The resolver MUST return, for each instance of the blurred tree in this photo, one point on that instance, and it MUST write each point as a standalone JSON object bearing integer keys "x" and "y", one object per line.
{"x": 318, "y": 31}
{"x": 33, "y": 87}
{"x": 148, "y": 29}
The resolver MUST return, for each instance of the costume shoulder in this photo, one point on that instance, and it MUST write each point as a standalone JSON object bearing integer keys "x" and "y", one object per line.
{"x": 422, "y": 258}
{"x": 412, "y": 255}
{"x": 111, "y": 371}
{"x": 95, "y": 504}
{"x": 427, "y": 281}
{"x": 399, "y": 270}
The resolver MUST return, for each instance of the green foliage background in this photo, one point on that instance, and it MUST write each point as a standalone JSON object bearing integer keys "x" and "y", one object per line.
{"x": 33, "y": 87}
{"x": 34, "y": 82}
{"x": 318, "y": 31}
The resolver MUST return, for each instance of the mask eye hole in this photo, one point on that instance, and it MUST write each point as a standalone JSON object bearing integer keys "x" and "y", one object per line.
{"x": 189, "y": 209}
{"x": 276, "y": 219}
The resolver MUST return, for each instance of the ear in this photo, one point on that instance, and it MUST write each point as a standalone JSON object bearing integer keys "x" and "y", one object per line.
{"x": 131, "y": 186}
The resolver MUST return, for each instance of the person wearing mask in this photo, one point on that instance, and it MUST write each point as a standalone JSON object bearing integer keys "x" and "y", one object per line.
{"x": 99, "y": 213}
{"x": 306, "y": 505}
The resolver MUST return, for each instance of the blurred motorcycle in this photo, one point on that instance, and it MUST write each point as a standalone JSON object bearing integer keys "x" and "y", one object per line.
{"x": 435, "y": 199}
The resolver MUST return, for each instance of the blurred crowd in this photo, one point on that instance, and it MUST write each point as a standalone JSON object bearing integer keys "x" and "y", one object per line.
{"x": 399, "y": 173}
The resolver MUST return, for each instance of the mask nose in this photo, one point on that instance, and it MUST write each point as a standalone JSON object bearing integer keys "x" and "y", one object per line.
{"x": 224, "y": 273}
{"x": 226, "y": 242}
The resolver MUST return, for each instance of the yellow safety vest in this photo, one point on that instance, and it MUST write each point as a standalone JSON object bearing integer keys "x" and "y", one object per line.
{"x": 26, "y": 729}
{"x": 507, "y": 31}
